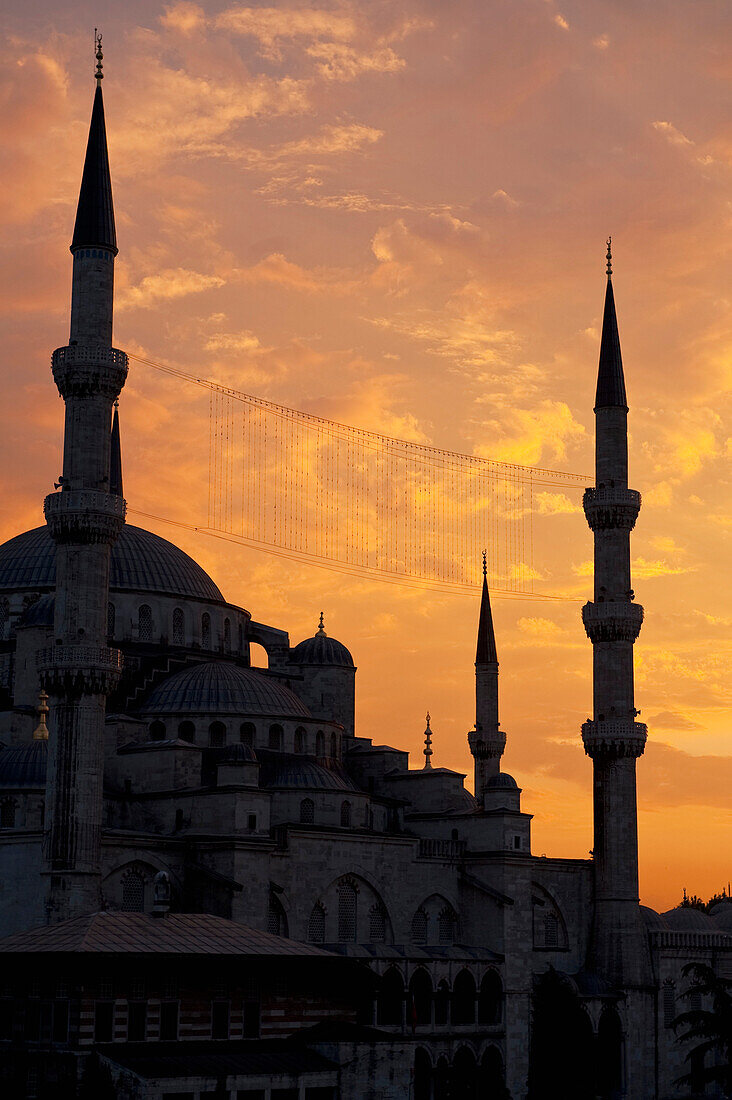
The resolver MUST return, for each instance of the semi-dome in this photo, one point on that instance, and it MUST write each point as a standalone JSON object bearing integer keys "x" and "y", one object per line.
{"x": 141, "y": 562}
{"x": 652, "y": 919}
{"x": 39, "y": 613}
{"x": 502, "y": 782}
{"x": 299, "y": 773}
{"x": 24, "y": 765}
{"x": 688, "y": 919}
{"x": 321, "y": 650}
{"x": 236, "y": 753}
{"x": 220, "y": 687}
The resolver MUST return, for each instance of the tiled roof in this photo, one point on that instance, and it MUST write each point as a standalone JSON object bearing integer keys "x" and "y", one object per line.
{"x": 220, "y": 687}
{"x": 216, "y": 1059}
{"x": 139, "y": 934}
{"x": 141, "y": 562}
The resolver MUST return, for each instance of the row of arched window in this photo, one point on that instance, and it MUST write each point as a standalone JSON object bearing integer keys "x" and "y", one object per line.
{"x": 146, "y": 627}
{"x": 419, "y": 1004}
{"x": 465, "y": 1076}
{"x": 373, "y": 924}
{"x": 307, "y": 813}
{"x": 216, "y": 736}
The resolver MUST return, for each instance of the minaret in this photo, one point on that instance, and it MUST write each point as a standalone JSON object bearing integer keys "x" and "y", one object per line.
{"x": 613, "y": 738}
{"x": 487, "y": 741}
{"x": 84, "y": 520}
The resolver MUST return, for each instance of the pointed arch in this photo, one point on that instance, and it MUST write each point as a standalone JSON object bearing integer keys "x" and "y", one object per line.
{"x": 422, "y": 1075}
{"x": 390, "y": 998}
{"x": 465, "y": 1074}
{"x": 420, "y": 997}
{"x": 179, "y": 626}
{"x": 144, "y": 622}
{"x": 492, "y": 1072}
{"x": 133, "y": 891}
{"x": 346, "y": 814}
{"x": 205, "y": 630}
{"x": 490, "y": 999}
{"x": 419, "y": 926}
{"x": 276, "y": 916}
{"x": 347, "y": 911}
{"x": 316, "y": 923}
{"x": 463, "y": 998}
{"x": 377, "y": 923}
{"x": 307, "y": 811}
{"x": 442, "y": 1004}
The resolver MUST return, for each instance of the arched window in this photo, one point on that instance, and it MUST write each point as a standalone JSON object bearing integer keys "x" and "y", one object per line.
{"x": 419, "y": 927}
{"x": 111, "y": 615}
{"x": 465, "y": 1074}
{"x": 7, "y": 814}
{"x": 157, "y": 731}
{"x": 217, "y": 735}
{"x": 390, "y": 998}
{"x": 490, "y": 999}
{"x": 307, "y": 811}
{"x": 346, "y": 814}
{"x": 463, "y": 999}
{"x": 551, "y": 930}
{"x": 227, "y": 635}
{"x": 144, "y": 623}
{"x": 491, "y": 1072}
{"x": 276, "y": 734}
{"x": 316, "y": 924}
{"x": 187, "y": 731}
{"x": 610, "y": 1054}
{"x": 320, "y": 743}
{"x": 334, "y": 746}
{"x": 420, "y": 995}
{"x": 247, "y": 731}
{"x": 300, "y": 743}
{"x": 422, "y": 1075}
{"x": 276, "y": 918}
{"x": 133, "y": 892}
{"x": 446, "y": 927}
{"x": 669, "y": 1002}
{"x": 442, "y": 1004}
{"x": 443, "y": 1079}
{"x": 206, "y": 630}
{"x": 347, "y": 897}
{"x": 377, "y": 924}
{"x": 179, "y": 626}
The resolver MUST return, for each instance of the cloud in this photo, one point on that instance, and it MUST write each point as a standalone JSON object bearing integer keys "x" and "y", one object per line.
{"x": 531, "y": 436}
{"x": 165, "y": 286}
{"x": 672, "y": 135}
{"x": 184, "y": 17}
{"x": 561, "y": 22}
{"x": 556, "y": 504}
{"x": 641, "y": 569}
{"x": 233, "y": 341}
{"x": 671, "y": 720}
{"x": 336, "y": 61}
{"x": 272, "y": 26}
{"x": 601, "y": 42}
{"x": 541, "y": 631}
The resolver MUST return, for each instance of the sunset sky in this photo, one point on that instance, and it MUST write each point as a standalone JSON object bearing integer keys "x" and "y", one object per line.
{"x": 393, "y": 214}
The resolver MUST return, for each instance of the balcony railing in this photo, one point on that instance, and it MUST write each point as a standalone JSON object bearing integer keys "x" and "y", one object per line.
{"x": 430, "y": 848}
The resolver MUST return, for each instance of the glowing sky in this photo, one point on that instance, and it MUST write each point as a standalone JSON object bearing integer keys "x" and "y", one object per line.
{"x": 393, "y": 214}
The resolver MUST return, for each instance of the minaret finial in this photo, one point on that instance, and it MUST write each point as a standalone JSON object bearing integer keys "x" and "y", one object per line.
{"x": 427, "y": 744}
{"x": 321, "y": 627}
{"x": 485, "y": 563}
{"x": 609, "y": 257}
{"x": 40, "y": 733}
{"x": 98, "y": 75}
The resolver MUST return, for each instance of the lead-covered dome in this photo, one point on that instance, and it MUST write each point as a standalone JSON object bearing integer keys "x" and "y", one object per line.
{"x": 321, "y": 650}
{"x": 686, "y": 918}
{"x": 502, "y": 782}
{"x": 141, "y": 562}
{"x": 300, "y": 773}
{"x": 219, "y": 687}
{"x": 24, "y": 765}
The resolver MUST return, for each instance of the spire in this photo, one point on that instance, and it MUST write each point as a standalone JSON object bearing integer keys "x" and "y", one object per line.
{"x": 427, "y": 744}
{"x": 94, "y": 227}
{"x": 115, "y": 456}
{"x": 321, "y": 627}
{"x": 40, "y": 733}
{"x": 610, "y": 380}
{"x": 486, "y": 650}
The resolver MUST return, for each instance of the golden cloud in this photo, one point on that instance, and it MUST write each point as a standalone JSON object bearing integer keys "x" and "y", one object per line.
{"x": 165, "y": 286}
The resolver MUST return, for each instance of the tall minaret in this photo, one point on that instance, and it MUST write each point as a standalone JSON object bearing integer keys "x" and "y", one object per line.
{"x": 487, "y": 741}
{"x": 613, "y": 739}
{"x": 84, "y": 520}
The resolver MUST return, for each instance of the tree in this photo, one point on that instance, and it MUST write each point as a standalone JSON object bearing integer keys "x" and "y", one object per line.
{"x": 709, "y": 1029}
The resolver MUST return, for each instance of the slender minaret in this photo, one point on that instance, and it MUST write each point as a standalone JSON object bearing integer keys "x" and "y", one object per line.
{"x": 487, "y": 741}
{"x": 613, "y": 739}
{"x": 84, "y": 519}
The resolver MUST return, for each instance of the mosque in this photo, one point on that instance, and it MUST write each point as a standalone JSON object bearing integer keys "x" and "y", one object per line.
{"x": 167, "y": 808}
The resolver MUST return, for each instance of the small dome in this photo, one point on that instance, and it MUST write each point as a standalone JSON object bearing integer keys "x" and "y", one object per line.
{"x": 652, "y": 919}
{"x": 140, "y": 562}
{"x": 687, "y": 919}
{"x": 39, "y": 613}
{"x": 502, "y": 781}
{"x": 300, "y": 773}
{"x": 219, "y": 687}
{"x": 721, "y": 914}
{"x": 321, "y": 650}
{"x": 236, "y": 753}
{"x": 24, "y": 765}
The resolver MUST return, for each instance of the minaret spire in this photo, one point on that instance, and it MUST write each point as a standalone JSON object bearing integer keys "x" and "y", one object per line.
{"x": 115, "y": 458}
{"x": 487, "y": 741}
{"x": 427, "y": 750}
{"x": 612, "y": 738}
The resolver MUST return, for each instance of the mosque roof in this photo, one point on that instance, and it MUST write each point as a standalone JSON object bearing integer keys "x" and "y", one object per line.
{"x": 721, "y": 914}
{"x": 321, "y": 650}
{"x": 502, "y": 781}
{"x": 300, "y": 772}
{"x": 221, "y": 687}
{"x": 687, "y": 918}
{"x": 24, "y": 764}
{"x": 141, "y": 562}
{"x": 652, "y": 919}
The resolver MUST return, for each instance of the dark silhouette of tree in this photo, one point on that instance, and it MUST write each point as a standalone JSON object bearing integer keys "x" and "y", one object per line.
{"x": 694, "y": 902}
{"x": 709, "y": 1029}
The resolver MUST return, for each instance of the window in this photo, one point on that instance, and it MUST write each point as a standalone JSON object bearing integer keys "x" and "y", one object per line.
{"x": 217, "y": 735}
{"x": 187, "y": 731}
{"x": 300, "y": 742}
{"x": 251, "y": 823}
{"x": 133, "y": 892}
{"x": 247, "y": 731}
{"x": 420, "y": 995}
{"x": 144, "y": 623}
{"x": 334, "y": 746}
{"x": 377, "y": 924}
{"x": 390, "y": 998}
{"x": 551, "y": 930}
{"x": 490, "y": 999}
{"x": 275, "y": 738}
{"x": 169, "y": 1020}
{"x": 250, "y": 1020}
{"x": 463, "y": 999}
{"x": 227, "y": 635}
{"x": 110, "y": 619}
{"x": 446, "y": 927}
{"x": 307, "y": 811}
{"x": 276, "y": 919}
{"x": 346, "y": 814}
{"x": 103, "y": 1021}
{"x": 220, "y": 1020}
{"x": 7, "y": 814}
{"x": 320, "y": 743}
{"x": 157, "y": 731}
{"x": 316, "y": 924}
{"x": 347, "y": 896}
{"x": 179, "y": 626}
{"x": 442, "y": 1004}
{"x": 136, "y": 1022}
{"x": 4, "y": 615}
{"x": 206, "y": 630}
{"x": 517, "y": 842}
{"x": 419, "y": 927}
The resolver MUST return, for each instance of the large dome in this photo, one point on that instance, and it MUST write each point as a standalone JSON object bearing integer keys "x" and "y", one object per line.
{"x": 219, "y": 687}
{"x": 141, "y": 562}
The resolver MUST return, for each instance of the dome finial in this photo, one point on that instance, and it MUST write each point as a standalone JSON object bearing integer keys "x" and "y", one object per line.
{"x": 609, "y": 257}
{"x": 40, "y": 733}
{"x": 427, "y": 744}
{"x": 98, "y": 75}
{"x": 321, "y": 627}
{"x": 485, "y": 563}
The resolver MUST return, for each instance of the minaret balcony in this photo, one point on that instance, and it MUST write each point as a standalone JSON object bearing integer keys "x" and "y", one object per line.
{"x": 75, "y": 670}
{"x": 609, "y": 508}
{"x": 82, "y": 370}
{"x": 84, "y": 516}
{"x": 618, "y": 737}
{"x": 487, "y": 746}
{"x": 612, "y": 621}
